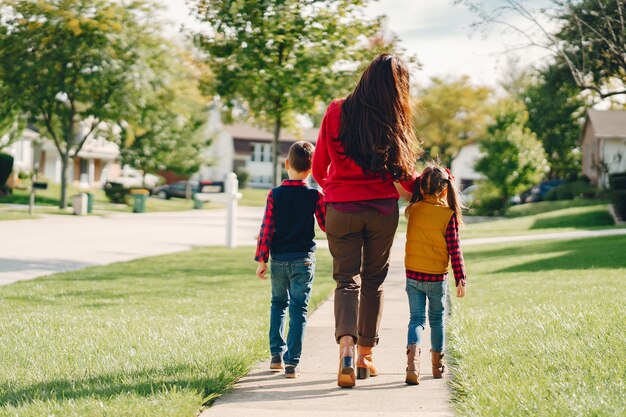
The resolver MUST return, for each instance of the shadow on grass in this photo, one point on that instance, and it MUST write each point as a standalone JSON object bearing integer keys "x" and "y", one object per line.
{"x": 602, "y": 252}
{"x": 24, "y": 199}
{"x": 578, "y": 220}
{"x": 144, "y": 383}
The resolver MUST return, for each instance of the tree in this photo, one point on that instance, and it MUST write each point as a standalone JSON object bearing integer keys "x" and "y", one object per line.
{"x": 281, "y": 57}
{"x": 451, "y": 114}
{"x": 590, "y": 37}
{"x": 554, "y": 108}
{"x": 513, "y": 159}
{"x": 165, "y": 132}
{"x": 69, "y": 65}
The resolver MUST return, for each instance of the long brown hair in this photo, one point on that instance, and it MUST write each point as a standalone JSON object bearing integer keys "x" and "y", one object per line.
{"x": 433, "y": 181}
{"x": 376, "y": 122}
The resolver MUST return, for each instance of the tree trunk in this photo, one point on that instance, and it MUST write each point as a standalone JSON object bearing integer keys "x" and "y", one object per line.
{"x": 277, "y": 168}
{"x": 64, "y": 166}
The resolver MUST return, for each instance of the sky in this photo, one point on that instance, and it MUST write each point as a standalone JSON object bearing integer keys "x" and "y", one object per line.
{"x": 438, "y": 32}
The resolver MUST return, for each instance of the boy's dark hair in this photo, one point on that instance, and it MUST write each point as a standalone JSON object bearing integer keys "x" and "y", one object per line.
{"x": 300, "y": 156}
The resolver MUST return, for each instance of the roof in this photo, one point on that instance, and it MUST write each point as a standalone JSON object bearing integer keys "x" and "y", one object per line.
{"x": 607, "y": 123}
{"x": 250, "y": 132}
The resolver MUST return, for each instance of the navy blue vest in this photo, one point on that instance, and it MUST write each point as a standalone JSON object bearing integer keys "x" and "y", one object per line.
{"x": 294, "y": 212}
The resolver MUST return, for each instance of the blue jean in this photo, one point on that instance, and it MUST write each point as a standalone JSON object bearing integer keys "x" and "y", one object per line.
{"x": 291, "y": 288}
{"x": 419, "y": 292}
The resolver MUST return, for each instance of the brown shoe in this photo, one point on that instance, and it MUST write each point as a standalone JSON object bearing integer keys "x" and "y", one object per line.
{"x": 364, "y": 365}
{"x": 413, "y": 365}
{"x": 438, "y": 367}
{"x": 346, "y": 376}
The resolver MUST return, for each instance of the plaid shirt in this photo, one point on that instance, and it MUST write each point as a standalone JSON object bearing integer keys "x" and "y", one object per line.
{"x": 264, "y": 241}
{"x": 455, "y": 253}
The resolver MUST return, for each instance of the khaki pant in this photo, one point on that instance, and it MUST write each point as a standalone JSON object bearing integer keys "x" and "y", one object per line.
{"x": 360, "y": 244}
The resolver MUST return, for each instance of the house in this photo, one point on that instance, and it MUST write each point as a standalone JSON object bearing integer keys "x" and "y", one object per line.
{"x": 462, "y": 166}
{"x": 97, "y": 161}
{"x": 242, "y": 146}
{"x": 603, "y": 140}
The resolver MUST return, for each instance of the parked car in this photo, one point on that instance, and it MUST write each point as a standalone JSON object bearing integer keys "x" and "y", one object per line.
{"x": 179, "y": 188}
{"x": 134, "y": 179}
{"x": 176, "y": 189}
{"x": 468, "y": 195}
{"x": 538, "y": 192}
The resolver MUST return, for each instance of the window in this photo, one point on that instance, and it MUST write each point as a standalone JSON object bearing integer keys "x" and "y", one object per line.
{"x": 84, "y": 166}
{"x": 261, "y": 152}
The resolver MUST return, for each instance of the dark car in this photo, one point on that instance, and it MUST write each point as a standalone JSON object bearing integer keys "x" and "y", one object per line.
{"x": 176, "y": 189}
{"x": 179, "y": 188}
{"x": 538, "y": 192}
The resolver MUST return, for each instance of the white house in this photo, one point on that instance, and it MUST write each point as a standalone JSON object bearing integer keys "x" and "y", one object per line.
{"x": 97, "y": 161}
{"x": 462, "y": 166}
{"x": 244, "y": 146}
{"x": 603, "y": 141}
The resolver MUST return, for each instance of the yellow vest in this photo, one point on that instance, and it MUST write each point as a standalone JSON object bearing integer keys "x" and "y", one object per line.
{"x": 426, "y": 249}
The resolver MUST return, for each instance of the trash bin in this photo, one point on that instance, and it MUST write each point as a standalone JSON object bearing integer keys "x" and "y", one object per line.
{"x": 79, "y": 204}
{"x": 90, "y": 200}
{"x": 139, "y": 200}
{"x": 197, "y": 203}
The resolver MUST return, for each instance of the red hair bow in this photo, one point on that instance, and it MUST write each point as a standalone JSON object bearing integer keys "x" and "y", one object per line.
{"x": 450, "y": 176}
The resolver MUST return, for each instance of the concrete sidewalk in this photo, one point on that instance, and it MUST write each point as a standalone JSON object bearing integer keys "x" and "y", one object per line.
{"x": 263, "y": 393}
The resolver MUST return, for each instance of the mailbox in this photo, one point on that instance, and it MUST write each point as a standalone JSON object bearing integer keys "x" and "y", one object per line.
{"x": 40, "y": 185}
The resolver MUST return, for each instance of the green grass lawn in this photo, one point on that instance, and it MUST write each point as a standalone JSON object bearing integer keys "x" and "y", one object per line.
{"x": 253, "y": 197}
{"x": 563, "y": 220}
{"x": 547, "y": 206}
{"x": 154, "y": 337}
{"x": 50, "y": 198}
{"x": 542, "y": 331}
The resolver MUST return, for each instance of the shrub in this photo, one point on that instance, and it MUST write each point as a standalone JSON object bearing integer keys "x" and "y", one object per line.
{"x": 619, "y": 202}
{"x": 115, "y": 192}
{"x": 488, "y": 201}
{"x": 243, "y": 176}
{"x": 6, "y": 167}
{"x": 618, "y": 181}
{"x": 570, "y": 191}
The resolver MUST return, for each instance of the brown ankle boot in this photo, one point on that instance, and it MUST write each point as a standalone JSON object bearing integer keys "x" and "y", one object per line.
{"x": 413, "y": 365}
{"x": 364, "y": 365}
{"x": 346, "y": 376}
{"x": 438, "y": 367}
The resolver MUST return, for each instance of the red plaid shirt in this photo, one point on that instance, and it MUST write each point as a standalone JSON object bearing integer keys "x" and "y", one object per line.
{"x": 456, "y": 256}
{"x": 264, "y": 241}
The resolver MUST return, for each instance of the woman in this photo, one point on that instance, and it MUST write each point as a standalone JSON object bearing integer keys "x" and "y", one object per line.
{"x": 365, "y": 144}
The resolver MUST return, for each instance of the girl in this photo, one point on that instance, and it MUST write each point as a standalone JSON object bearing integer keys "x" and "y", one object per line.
{"x": 432, "y": 240}
{"x": 365, "y": 144}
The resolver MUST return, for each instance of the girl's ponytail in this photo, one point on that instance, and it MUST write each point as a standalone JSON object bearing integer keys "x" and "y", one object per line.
{"x": 454, "y": 202}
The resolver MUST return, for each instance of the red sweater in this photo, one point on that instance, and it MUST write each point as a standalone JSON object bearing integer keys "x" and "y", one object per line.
{"x": 340, "y": 177}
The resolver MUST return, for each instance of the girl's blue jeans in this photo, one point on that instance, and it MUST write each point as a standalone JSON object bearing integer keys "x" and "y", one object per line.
{"x": 435, "y": 293}
{"x": 291, "y": 289}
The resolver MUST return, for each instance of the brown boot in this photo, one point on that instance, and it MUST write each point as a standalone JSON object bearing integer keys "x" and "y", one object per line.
{"x": 346, "y": 376}
{"x": 438, "y": 367}
{"x": 413, "y": 365}
{"x": 364, "y": 365}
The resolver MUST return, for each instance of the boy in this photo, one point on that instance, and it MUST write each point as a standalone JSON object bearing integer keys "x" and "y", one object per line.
{"x": 287, "y": 234}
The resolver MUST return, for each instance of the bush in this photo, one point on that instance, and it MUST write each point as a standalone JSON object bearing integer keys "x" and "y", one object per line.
{"x": 488, "y": 201}
{"x": 6, "y": 167}
{"x": 570, "y": 191}
{"x": 115, "y": 192}
{"x": 243, "y": 176}
{"x": 618, "y": 181}
{"x": 619, "y": 202}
